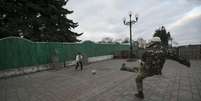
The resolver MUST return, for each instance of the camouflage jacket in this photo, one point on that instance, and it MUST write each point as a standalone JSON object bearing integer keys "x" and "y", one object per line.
{"x": 155, "y": 58}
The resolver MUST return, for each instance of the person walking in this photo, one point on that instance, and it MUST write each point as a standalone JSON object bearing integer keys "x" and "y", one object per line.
{"x": 79, "y": 60}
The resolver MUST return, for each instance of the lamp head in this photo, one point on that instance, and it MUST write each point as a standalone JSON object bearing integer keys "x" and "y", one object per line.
{"x": 124, "y": 20}
{"x": 136, "y": 16}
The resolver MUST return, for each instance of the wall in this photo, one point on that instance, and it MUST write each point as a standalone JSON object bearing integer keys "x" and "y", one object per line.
{"x": 18, "y": 52}
{"x": 190, "y": 51}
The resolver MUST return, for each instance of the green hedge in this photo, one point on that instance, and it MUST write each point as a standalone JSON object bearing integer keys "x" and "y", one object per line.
{"x": 18, "y": 52}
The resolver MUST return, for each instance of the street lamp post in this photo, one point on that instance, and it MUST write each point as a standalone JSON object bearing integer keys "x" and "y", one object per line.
{"x": 171, "y": 41}
{"x": 129, "y": 23}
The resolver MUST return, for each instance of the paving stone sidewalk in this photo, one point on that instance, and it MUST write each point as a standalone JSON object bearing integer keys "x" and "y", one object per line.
{"x": 177, "y": 83}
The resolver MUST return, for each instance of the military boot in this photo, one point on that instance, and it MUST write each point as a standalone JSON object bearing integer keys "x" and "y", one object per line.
{"x": 140, "y": 95}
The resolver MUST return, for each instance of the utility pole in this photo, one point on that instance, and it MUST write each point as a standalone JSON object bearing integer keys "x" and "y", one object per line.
{"x": 129, "y": 23}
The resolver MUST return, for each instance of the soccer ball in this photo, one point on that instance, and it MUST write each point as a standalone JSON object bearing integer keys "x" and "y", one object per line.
{"x": 93, "y": 72}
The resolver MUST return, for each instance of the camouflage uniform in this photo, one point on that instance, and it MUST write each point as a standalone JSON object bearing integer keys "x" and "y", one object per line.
{"x": 152, "y": 62}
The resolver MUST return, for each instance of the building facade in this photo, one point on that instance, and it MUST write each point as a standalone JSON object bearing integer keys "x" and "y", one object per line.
{"x": 190, "y": 51}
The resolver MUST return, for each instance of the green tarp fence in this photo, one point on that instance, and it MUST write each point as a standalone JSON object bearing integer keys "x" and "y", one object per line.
{"x": 19, "y": 52}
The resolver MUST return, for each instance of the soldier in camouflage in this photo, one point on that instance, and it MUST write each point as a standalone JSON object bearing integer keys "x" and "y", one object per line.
{"x": 151, "y": 63}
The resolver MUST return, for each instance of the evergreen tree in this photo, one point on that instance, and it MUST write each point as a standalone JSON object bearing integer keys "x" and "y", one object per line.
{"x": 37, "y": 20}
{"x": 164, "y": 36}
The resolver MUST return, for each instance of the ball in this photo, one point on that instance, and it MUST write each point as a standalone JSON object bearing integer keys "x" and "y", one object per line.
{"x": 93, "y": 72}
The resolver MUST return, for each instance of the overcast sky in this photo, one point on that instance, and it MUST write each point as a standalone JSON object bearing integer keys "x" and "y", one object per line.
{"x": 104, "y": 18}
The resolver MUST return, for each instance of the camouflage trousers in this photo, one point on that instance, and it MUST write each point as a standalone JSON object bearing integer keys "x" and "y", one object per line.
{"x": 139, "y": 80}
